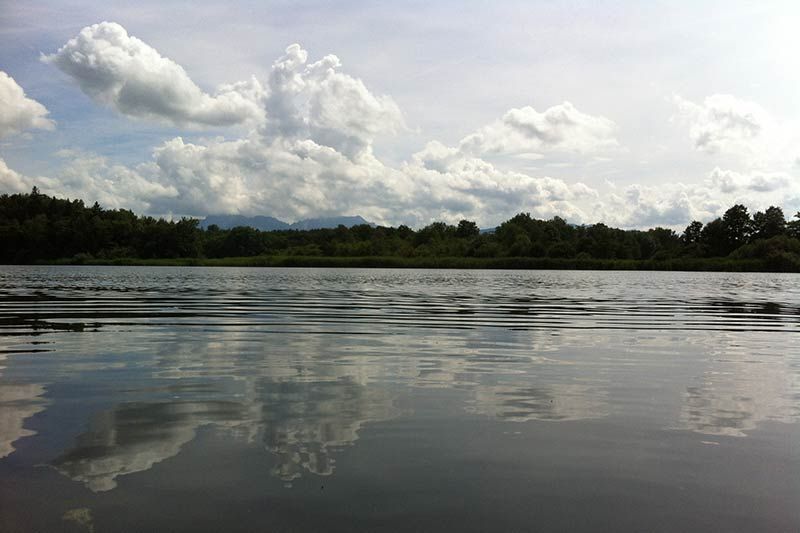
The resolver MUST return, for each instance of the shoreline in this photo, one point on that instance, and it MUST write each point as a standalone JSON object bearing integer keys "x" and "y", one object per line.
{"x": 467, "y": 263}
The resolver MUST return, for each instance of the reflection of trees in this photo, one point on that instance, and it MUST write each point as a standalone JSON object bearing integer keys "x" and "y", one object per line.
{"x": 17, "y": 403}
{"x": 310, "y": 399}
{"x": 305, "y": 421}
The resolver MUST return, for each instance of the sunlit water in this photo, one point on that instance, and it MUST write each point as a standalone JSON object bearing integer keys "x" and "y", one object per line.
{"x": 145, "y": 399}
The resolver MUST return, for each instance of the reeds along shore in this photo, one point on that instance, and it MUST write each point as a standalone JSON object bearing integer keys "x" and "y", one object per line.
{"x": 507, "y": 263}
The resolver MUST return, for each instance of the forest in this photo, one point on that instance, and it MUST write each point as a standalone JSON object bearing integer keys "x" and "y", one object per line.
{"x": 36, "y": 228}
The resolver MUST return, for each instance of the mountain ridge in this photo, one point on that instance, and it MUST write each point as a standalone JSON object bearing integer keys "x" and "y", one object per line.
{"x": 268, "y": 223}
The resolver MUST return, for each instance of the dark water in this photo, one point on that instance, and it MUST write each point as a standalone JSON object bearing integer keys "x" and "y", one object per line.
{"x": 144, "y": 399}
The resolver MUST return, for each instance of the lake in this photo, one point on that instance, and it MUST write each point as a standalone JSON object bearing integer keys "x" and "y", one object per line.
{"x": 224, "y": 399}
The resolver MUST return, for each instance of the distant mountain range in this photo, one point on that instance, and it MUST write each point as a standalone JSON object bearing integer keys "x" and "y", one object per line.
{"x": 265, "y": 223}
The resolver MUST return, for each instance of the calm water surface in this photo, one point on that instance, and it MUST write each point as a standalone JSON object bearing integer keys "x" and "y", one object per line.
{"x": 144, "y": 399}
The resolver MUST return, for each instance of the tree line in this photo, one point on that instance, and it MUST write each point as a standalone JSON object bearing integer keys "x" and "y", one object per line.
{"x": 38, "y": 228}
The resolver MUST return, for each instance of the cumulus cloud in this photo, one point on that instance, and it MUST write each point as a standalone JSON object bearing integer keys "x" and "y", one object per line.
{"x": 643, "y": 207}
{"x": 301, "y": 100}
{"x": 759, "y": 151}
{"x": 94, "y": 179}
{"x": 675, "y": 204}
{"x": 309, "y": 151}
{"x": 728, "y": 181}
{"x": 723, "y": 123}
{"x": 294, "y": 179}
{"x": 472, "y": 187}
{"x": 318, "y": 102}
{"x": 11, "y": 181}
{"x": 124, "y": 73}
{"x": 561, "y": 128}
{"x": 289, "y": 173}
{"x": 18, "y": 112}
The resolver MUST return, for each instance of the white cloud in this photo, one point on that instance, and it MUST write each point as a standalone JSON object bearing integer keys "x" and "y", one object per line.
{"x": 728, "y": 181}
{"x": 283, "y": 177}
{"x": 723, "y": 123}
{"x": 318, "y": 102}
{"x": 459, "y": 186}
{"x": 294, "y": 179}
{"x": 11, "y": 181}
{"x": 298, "y": 178}
{"x": 18, "y": 112}
{"x": 302, "y": 100}
{"x": 561, "y": 128}
{"x": 645, "y": 207}
{"x": 310, "y": 151}
{"x": 124, "y": 73}
{"x": 675, "y": 204}
{"x": 741, "y": 133}
{"x": 312, "y": 154}
{"x": 93, "y": 179}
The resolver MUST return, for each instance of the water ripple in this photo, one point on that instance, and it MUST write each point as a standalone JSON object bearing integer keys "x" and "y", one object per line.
{"x": 51, "y": 299}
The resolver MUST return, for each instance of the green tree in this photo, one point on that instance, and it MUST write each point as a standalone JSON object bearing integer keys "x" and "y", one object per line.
{"x": 467, "y": 229}
{"x": 770, "y": 223}
{"x": 714, "y": 239}
{"x": 737, "y": 226}
{"x": 793, "y": 227}
{"x": 692, "y": 233}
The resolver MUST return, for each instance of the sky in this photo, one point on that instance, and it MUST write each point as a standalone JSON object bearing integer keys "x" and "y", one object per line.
{"x": 634, "y": 114}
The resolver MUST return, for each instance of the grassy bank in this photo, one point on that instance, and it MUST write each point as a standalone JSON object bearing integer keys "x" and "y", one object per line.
{"x": 526, "y": 263}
